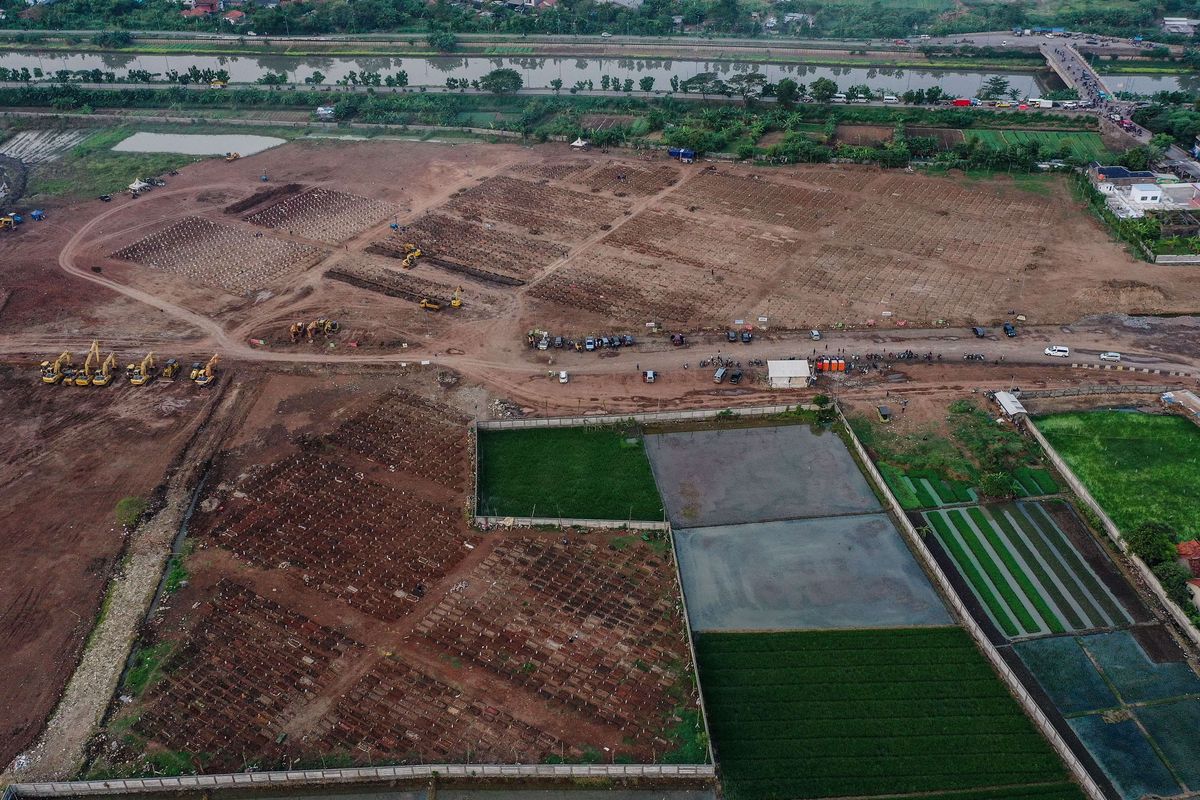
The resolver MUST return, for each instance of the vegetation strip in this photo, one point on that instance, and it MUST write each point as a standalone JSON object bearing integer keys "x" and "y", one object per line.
{"x": 996, "y": 608}
{"x": 1015, "y": 567}
{"x": 1070, "y": 606}
{"x": 997, "y": 576}
{"x": 1111, "y": 608}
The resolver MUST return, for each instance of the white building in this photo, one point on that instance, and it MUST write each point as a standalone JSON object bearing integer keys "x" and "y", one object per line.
{"x": 1145, "y": 193}
{"x": 790, "y": 374}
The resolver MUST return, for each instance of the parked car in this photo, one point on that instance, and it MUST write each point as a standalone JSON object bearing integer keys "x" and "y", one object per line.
{"x": 731, "y": 336}
{"x": 604, "y": 341}
{"x": 677, "y": 339}
{"x": 747, "y": 337}
{"x": 627, "y": 340}
{"x": 589, "y": 343}
{"x": 558, "y": 342}
{"x": 736, "y": 377}
{"x": 543, "y": 344}
{"x": 1058, "y": 351}
{"x": 1110, "y": 356}
{"x": 648, "y": 376}
{"x": 1010, "y": 330}
{"x": 815, "y": 335}
{"x": 563, "y": 377}
{"x": 979, "y": 332}
{"x": 719, "y": 375}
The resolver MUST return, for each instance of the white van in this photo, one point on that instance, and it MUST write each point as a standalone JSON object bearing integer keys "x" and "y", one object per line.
{"x": 890, "y": 98}
{"x": 840, "y": 98}
{"x": 563, "y": 377}
{"x": 1058, "y": 351}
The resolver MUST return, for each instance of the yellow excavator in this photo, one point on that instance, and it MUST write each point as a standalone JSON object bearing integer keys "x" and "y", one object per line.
{"x": 143, "y": 373}
{"x": 207, "y": 374}
{"x": 232, "y": 156}
{"x": 430, "y": 305}
{"x": 105, "y": 376}
{"x": 326, "y": 326}
{"x": 411, "y": 254}
{"x": 171, "y": 369}
{"x": 83, "y": 376}
{"x": 52, "y": 371}
{"x": 456, "y": 302}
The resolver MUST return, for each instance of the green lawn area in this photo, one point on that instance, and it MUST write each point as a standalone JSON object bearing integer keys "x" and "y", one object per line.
{"x": 855, "y": 713}
{"x": 1137, "y": 466}
{"x": 91, "y": 168}
{"x": 1084, "y": 144}
{"x": 568, "y": 472}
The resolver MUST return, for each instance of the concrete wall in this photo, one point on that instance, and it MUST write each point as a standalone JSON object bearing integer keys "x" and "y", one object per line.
{"x": 340, "y": 777}
{"x": 646, "y": 416}
{"x": 568, "y": 522}
{"x": 917, "y": 545}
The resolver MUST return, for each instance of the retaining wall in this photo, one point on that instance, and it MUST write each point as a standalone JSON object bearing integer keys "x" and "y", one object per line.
{"x": 1177, "y": 259}
{"x": 1114, "y": 533}
{"x": 566, "y": 522}
{"x": 1080, "y": 391}
{"x": 917, "y": 545}
{"x": 360, "y": 775}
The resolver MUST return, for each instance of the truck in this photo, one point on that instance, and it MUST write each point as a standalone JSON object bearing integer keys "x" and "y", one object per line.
{"x": 683, "y": 154}
{"x": 1044, "y": 103}
{"x": 961, "y": 102}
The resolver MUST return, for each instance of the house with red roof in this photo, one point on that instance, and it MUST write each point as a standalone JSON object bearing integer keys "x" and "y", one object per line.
{"x": 1189, "y": 554}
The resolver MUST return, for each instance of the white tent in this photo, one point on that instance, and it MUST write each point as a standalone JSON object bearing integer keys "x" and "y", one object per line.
{"x": 1010, "y": 405}
{"x": 790, "y": 374}
{"x": 580, "y": 143}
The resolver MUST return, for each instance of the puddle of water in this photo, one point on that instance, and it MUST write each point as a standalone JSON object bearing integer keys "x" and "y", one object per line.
{"x": 190, "y": 144}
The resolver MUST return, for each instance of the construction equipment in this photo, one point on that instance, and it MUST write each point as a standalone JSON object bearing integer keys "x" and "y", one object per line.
{"x": 296, "y": 331}
{"x": 430, "y": 305}
{"x": 143, "y": 373}
{"x": 105, "y": 375}
{"x": 7, "y": 222}
{"x": 171, "y": 369}
{"x": 456, "y": 302}
{"x": 38, "y": 215}
{"x": 83, "y": 376}
{"x": 322, "y": 325}
{"x": 411, "y": 254}
{"x": 232, "y": 156}
{"x": 52, "y": 371}
{"x": 208, "y": 374}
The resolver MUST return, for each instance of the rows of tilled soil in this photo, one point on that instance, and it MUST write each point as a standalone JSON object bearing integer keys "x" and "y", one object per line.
{"x": 220, "y": 256}
{"x": 323, "y": 214}
{"x": 272, "y": 194}
{"x": 537, "y": 208}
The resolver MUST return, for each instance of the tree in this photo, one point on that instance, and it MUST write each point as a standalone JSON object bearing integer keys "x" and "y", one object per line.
{"x": 604, "y": 81}
{"x": 1174, "y": 578}
{"x": 1135, "y": 158}
{"x": 1159, "y": 143}
{"x": 1152, "y": 541}
{"x": 933, "y": 94}
{"x": 646, "y": 84}
{"x": 674, "y": 83}
{"x": 993, "y": 87}
{"x": 627, "y": 85}
{"x": 859, "y": 90}
{"x": 502, "y": 81}
{"x": 112, "y": 39}
{"x": 823, "y": 90}
{"x": 748, "y": 84}
{"x": 556, "y": 85}
{"x": 786, "y": 92}
{"x": 442, "y": 41}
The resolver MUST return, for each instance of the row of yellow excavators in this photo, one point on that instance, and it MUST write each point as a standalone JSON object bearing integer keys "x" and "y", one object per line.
{"x": 309, "y": 331}
{"x": 100, "y": 372}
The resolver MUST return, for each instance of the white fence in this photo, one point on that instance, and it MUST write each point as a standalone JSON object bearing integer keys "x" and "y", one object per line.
{"x": 366, "y": 775}
{"x": 917, "y": 544}
{"x": 566, "y": 522}
{"x": 1177, "y": 259}
{"x": 1114, "y": 533}
{"x": 601, "y": 420}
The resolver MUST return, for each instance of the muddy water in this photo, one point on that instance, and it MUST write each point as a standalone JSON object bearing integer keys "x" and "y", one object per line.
{"x": 196, "y": 144}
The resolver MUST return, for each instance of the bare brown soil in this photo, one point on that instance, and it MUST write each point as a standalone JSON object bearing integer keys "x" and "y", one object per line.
{"x": 339, "y": 607}
{"x": 67, "y": 456}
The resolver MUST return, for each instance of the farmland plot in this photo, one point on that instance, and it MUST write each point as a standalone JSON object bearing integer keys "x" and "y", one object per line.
{"x": 1135, "y": 713}
{"x": 1024, "y": 570}
{"x": 522, "y": 204}
{"x": 867, "y": 713}
{"x": 323, "y": 214}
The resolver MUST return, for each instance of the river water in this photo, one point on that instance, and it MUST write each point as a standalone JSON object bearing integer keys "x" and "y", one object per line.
{"x": 538, "y": 72}
{"x": 196, "y": 144}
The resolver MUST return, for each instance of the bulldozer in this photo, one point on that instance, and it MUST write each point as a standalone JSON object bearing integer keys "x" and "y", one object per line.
{"x": 171, "y": 369}
{"x": 207, "y": 374}
{"x": 456, "y": 302}
{"x": 52, "y": 371}
{"x": 430, "y": 305}
{"x": 83, "y": 376}
{"x": 143, "y": 373}
{"x": 105, "y": 375}
{"x": 7, "y": 222}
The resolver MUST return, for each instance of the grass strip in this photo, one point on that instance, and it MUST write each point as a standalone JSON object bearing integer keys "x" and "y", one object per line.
{"x": 1049, "y": 585}
{"x": 900, "y": 486}
{"x": 996, "y": 609}
{"x": 1038, "y": 519}
{"x": 997, "y": 576}
{"x": 1001, "y": 546}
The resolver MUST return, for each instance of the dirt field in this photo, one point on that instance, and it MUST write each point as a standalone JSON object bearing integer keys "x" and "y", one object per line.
{"x": 338, "y": 608}
{"x": 66, "y": 459}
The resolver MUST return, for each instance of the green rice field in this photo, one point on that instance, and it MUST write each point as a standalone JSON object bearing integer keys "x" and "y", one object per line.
{"x": 1137, "y": 466}
{"x": 869, "y": 713}
{"x": 566, "y": 472}
{"x": 1024, "y": 570}
{"x": 1082, "y": 144}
